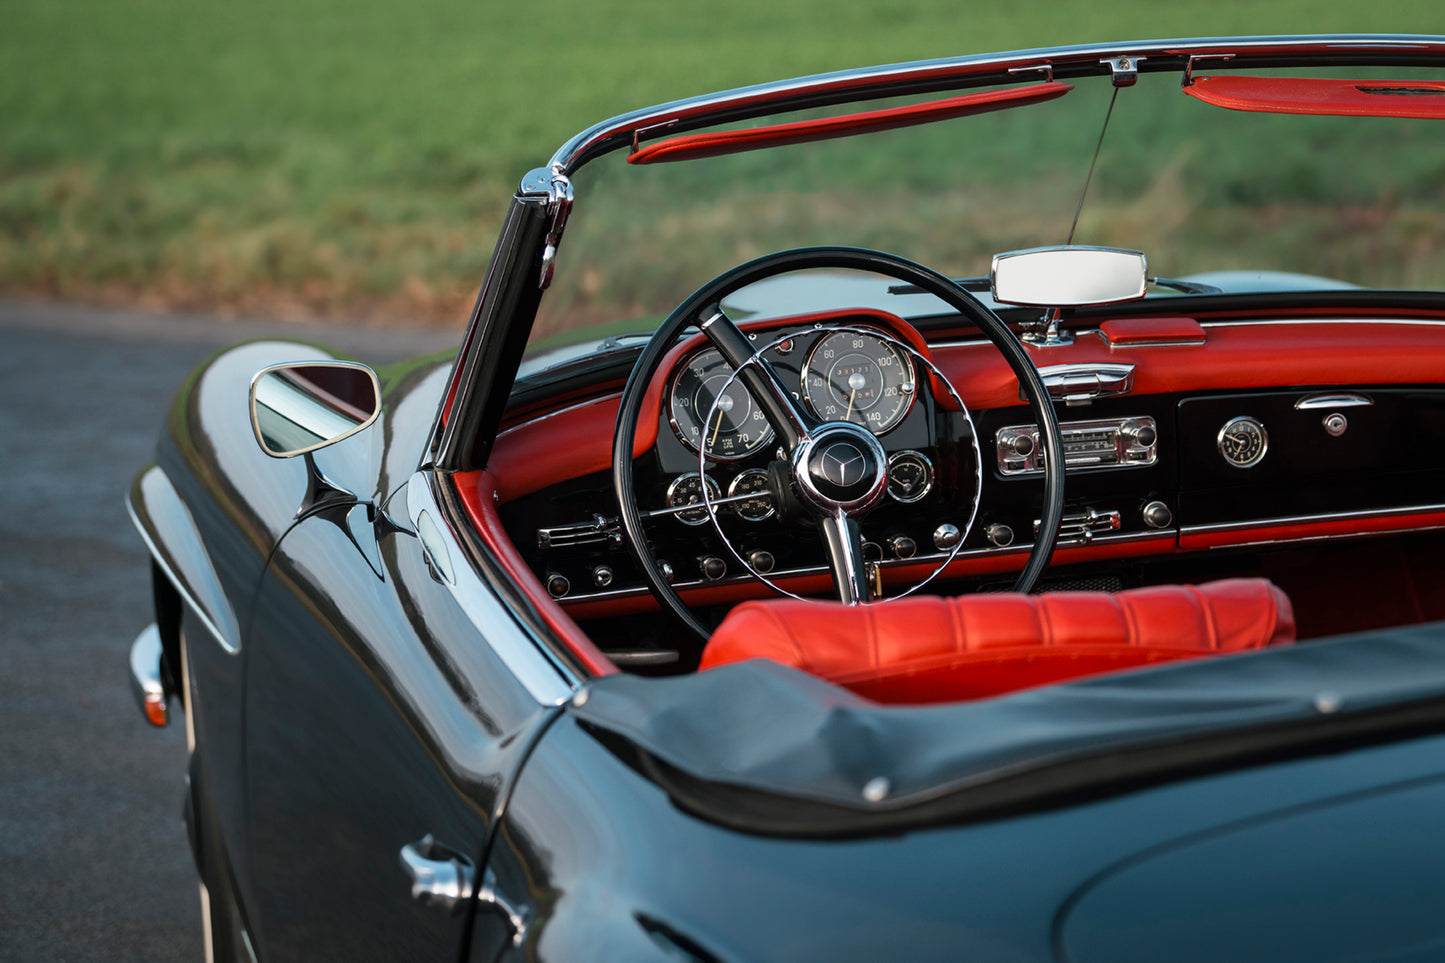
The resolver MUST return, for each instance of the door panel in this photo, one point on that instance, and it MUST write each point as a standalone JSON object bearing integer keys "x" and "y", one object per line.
{"x": 376, "y": 714}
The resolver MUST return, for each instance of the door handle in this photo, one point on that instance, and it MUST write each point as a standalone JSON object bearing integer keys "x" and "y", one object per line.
{"x": 440, "y": 877}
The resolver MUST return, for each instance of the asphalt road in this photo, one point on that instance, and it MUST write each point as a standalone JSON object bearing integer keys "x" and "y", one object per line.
{"x": 94, "y": 863}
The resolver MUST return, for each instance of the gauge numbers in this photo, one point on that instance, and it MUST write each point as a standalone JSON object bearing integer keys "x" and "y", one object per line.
{"x": 858, "y": 377}
{"x": 1243, "y": 442}
{"x": 752, "y": 509}
{"x": 687, "y": 490}
{"x": 737, "y": 428}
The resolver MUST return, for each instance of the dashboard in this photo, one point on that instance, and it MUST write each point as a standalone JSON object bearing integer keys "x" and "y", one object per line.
{"x": 1182, "y": 437}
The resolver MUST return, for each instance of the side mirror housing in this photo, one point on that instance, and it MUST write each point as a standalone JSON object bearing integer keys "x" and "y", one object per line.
{"x": 297, "y": 408}
{"x": 1061, "y": 277}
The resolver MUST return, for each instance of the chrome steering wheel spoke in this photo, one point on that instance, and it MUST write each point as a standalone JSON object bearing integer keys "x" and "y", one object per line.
{"x": 844, "y": 540}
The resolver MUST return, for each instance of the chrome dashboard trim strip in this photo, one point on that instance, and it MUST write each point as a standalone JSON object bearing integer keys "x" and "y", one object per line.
{"x": 1022, "y": 548}
{"x": 1284, "y": 322}
{"x": 523, "y": 652}
{"x": 1308, "y": 519}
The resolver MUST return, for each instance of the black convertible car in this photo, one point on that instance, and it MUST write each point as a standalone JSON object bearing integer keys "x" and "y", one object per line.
{"x": 744, "y": 589}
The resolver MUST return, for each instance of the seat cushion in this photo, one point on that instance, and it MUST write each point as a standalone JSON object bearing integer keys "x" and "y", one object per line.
{"x": 931, "y": 649}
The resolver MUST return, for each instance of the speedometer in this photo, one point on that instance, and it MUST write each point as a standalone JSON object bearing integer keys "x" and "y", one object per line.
{"x": 737, "y": 427}
{"x": 858, "y": 377}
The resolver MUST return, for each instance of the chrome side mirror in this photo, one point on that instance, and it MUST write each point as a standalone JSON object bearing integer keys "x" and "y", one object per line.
{"x": 1061, "y": 277}
{"x": 296, "y": 408}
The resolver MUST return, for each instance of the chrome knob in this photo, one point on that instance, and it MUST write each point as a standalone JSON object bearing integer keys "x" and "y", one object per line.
{"x": 602, "y": 576}
{"x": 1017, "y": 442}
{"x": 1142, "y": 435}
{"x": 666, "y": 568}
{"x": 712, "y": 567}
{"x": 557, "y": 585}
{"x": 1158, "y": 515}
{"x": 946, "y": 536}
{"x": 761, "y": 561}
{"x": 999, "y": 535}
{"x": 902, "y": 546}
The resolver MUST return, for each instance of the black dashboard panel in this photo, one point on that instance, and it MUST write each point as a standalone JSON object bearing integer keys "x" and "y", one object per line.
{"x": 1329, "y": 451}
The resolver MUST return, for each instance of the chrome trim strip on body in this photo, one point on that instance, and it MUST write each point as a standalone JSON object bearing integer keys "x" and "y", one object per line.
{"x": 1022, "y": 548}
{"x": 1283, "y": 322}
{"x": 950, "y": 73}
{"x": 154, "y": 506}
{"x": 523, "y": 652}
{"x": 1309, "y": 519}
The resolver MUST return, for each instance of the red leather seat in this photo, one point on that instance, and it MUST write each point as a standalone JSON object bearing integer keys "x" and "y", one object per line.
{"x": 930, "y": 649}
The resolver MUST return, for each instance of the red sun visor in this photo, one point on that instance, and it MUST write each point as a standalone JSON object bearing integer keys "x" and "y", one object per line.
{"x": 1316, "y": 95}
{"x": 716, "y": 143}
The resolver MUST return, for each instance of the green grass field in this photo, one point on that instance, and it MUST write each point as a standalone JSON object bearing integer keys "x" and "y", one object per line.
{"x": 304, "y": 158}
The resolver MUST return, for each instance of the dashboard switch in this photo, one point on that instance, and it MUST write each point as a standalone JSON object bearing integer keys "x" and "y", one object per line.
{"x": 602, "y": 576}
{"x": 902, "y": 546}
{"x": 665, "y": 567}
{"x": 1158, "y": 515}
{"x": 712, "y": 567}
{"x": 999, "y": 535}
{"x": 557, "y": 585}
{"x": 946, "y": 536}
{"x": 761, "y": 561}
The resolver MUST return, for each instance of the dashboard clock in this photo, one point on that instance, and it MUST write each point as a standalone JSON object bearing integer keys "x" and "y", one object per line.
{"x": 1243, "y": 441}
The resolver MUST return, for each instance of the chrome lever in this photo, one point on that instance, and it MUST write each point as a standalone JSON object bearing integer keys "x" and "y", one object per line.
{"x": 440, "y": 877}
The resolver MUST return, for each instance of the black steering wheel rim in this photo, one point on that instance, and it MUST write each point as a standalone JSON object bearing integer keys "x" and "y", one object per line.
{"x": 688, "y": 313}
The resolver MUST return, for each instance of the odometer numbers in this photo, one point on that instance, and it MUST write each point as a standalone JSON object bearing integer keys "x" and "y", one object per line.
{"x": 858, "y": 377}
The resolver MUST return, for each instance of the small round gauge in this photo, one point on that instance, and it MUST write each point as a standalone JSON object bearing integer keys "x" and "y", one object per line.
{"x": 753, "y": 509}
{"x": 859, "y": 377}
{"x": 910, "y": 476}
{"x": 687, "y": 490}
{"x": 737, "y": 428}
{"x": 1243, "y": 442}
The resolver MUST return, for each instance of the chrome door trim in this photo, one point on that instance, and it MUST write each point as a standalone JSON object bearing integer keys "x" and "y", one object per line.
{"x": 524, "y": 653}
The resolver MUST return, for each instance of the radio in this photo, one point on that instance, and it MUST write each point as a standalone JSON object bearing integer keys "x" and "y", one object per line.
{"x": 1088, "y": 445}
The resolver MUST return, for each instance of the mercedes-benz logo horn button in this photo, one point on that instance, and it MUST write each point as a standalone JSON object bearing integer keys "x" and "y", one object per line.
{"x": 842, "y": 470}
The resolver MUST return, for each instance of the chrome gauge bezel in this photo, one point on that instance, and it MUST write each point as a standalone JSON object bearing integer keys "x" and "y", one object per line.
{"x": 677, "y": 429}
{"x": 1263, "y": 441}
{"x": 710, "y": 490}
{"x": 887, "y": 341}
{"x": 922, "y": 493}
{"x": 737, "y": 507}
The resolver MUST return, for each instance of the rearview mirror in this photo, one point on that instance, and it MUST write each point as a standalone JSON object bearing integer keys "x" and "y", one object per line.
{"x": 1060, "y": 277}
{"x": 296, "y": 408}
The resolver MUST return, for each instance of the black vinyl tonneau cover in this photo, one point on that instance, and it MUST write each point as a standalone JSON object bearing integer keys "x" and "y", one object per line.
{"x": 769, "y": 749}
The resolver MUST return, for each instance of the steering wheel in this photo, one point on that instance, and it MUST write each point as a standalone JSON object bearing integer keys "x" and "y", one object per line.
{"x": 838, "y": 502}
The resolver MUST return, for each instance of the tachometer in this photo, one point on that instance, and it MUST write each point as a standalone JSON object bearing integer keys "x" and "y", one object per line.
{"x": 738, "y": 427}
{"x": 858, "y": 377}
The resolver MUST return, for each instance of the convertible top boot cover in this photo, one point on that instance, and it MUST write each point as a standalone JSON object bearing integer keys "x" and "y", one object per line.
{"x": 930, "y": 649}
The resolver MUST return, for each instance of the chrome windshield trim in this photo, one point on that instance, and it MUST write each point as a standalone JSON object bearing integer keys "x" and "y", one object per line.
{"x": 1160, "y": 55}
{"x": 524, "y": 653}
{"x": 1309, "y": 519}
